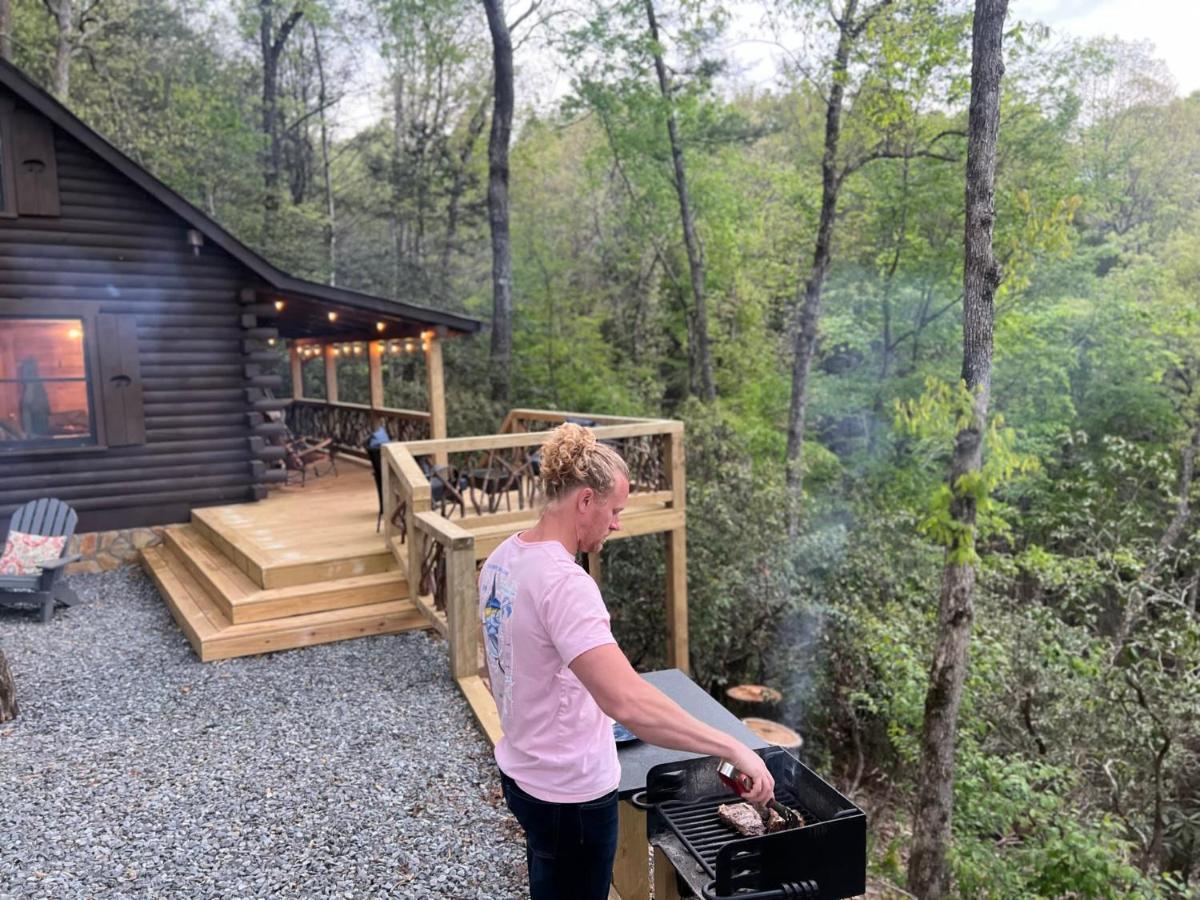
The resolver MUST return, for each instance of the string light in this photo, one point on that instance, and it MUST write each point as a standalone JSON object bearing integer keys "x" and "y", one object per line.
{"x": 270, "y": 342}
{"x": 332, "y": 317}
{"x": 379, "y": 326}
{"x": 279, "y": 306}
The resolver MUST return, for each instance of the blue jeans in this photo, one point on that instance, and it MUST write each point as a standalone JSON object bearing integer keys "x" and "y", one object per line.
{"x": 569, "y": 846}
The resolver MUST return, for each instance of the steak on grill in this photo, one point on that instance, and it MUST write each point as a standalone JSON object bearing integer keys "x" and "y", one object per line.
{"x": 751, "y": 822}
{"x": 743, "y": 817}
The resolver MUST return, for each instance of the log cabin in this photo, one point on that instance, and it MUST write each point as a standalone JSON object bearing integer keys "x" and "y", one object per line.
{"x": 137, "y": 336}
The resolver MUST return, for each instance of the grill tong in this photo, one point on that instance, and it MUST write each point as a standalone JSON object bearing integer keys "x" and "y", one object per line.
{"x": 741, "y": 783}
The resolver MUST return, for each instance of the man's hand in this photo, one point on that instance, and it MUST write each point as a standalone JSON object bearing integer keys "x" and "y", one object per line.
{"x": 751, "y": 764}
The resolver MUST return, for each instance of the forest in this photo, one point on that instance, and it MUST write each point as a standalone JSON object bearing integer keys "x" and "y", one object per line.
{"x": 779, "y": 262}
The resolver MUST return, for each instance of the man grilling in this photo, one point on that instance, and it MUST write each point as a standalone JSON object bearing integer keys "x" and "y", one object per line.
{"x": 558, "y": 676}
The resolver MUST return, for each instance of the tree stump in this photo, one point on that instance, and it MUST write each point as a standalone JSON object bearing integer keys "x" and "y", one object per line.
{"x": 775, "y": 733}
{"x": 8, "y": 692}
{"x": 755, "y": 700}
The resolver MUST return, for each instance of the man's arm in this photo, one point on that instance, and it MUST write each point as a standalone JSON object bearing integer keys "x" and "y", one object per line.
{"x": 656, "y": 718}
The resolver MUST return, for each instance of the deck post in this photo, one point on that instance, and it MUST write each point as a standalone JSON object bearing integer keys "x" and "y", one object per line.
{"x": 677, "y": 609}
{"x": 462, "y": 611}
{"x": 375, "y": 366}
{"x": 331, "y": 387}
{"x": 594, "y": 567}
{"x": 437, "y": 392}
{"x": 297, "y": 372}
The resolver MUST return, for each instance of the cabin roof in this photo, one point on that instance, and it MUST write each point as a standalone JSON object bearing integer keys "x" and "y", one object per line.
{"x": 30, "y": 93}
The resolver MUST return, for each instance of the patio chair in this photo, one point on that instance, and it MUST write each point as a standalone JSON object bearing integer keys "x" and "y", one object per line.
{"x": 302, "y": 454}
{"x": 45, "y": 518}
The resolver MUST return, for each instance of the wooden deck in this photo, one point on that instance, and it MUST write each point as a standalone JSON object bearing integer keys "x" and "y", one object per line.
{"x": 306, "y": 565}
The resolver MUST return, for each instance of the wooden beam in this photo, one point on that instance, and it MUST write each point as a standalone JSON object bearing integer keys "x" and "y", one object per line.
{"x": 483, "y": 705}
{"x": 675, "y": 464}
{"x": 631, "y": 867}
{"x": 297, "y": 372}
{"x": 677, "y": 611}
{"x": 437, "y": 393}
{"x": 534, "y": 439}
{"x": 375, "y": 365}
{"x": 331, "y": 385}
{"x": 462, "y": 610}
{"x": 594, "y": 568}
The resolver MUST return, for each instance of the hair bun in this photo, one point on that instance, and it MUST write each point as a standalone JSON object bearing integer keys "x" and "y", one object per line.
{"x": 572, "y": 457}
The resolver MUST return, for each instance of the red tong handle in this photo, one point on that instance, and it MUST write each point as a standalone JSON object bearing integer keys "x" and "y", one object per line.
{"x": 734, "y": 778}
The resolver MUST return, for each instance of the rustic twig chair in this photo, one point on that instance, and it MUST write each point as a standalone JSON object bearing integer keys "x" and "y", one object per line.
{"x": 47, "y": 518}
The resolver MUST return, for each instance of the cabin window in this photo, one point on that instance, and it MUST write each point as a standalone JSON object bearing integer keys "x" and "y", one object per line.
{"x": 45, "y": 395}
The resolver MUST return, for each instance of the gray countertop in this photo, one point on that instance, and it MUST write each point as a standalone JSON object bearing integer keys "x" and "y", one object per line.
{"x": 638, "y": 758}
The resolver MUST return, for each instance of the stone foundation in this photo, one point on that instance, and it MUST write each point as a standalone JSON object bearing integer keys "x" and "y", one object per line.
{"x": 105, "y": 550}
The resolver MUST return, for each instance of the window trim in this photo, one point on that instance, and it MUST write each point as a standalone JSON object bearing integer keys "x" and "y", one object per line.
{"x": 9, "y": 177}
{"x": 86, "y": 313}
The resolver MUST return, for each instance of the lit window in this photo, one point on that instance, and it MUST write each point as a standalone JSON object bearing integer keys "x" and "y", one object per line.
{"x": 44, "y": 395}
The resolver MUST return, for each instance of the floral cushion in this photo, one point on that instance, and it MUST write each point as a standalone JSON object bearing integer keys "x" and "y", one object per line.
{"x": 24, "y": 554}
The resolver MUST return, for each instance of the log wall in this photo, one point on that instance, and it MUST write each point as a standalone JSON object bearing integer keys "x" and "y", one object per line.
{"x": 114, "y": 245}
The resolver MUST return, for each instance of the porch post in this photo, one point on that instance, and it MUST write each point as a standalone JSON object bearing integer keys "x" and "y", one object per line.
{"x": 437, "y": 391}
{"x": 375, "y": 364}
{"x": 297, "y": 372}
{"x": 331, "y": 391}
{"x": 677, "y": 608}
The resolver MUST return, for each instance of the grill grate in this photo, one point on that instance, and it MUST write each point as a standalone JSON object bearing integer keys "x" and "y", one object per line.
{"x": 702, "y": 832}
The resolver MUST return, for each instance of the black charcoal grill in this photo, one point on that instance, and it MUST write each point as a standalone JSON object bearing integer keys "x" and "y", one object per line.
{"x": 827, "y": 858}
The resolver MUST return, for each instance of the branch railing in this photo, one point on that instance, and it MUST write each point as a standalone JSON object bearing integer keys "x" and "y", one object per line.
{"x": 481, "y": 472}
{"x": 350, "y": 425}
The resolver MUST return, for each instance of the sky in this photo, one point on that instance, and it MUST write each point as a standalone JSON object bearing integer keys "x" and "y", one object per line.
{"x": 1173, "y": 26}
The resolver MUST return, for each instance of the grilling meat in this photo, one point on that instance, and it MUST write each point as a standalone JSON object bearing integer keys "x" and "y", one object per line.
{"x": 750, "y": 822}
{"x": 743, "y": 817}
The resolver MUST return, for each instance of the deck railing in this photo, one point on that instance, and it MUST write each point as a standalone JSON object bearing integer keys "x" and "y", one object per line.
{"x": 481, "y": 473}
{"x": 351, "y": 425}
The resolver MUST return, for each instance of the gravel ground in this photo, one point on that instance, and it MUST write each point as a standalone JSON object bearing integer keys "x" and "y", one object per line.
{"x": 351, "y": 769}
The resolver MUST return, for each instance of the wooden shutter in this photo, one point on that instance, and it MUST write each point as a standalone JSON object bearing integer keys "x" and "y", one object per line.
{"x": 35, "y": 168}
{"x": 120, "y": 380}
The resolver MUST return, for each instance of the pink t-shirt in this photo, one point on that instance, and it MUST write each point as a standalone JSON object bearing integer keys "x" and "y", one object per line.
{"x": 540, "y": 610}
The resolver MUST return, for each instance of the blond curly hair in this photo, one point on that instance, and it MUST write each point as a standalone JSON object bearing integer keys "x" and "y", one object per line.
{"x": 573, "y": 458}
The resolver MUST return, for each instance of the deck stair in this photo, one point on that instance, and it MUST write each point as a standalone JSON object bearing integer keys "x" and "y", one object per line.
{"x": 238, "y": 586}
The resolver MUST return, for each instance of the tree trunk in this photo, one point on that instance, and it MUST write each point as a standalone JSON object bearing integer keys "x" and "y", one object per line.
{"x": 498, "y": 139}
{"x": 8, "y": 692}
{"x": 271, "y": 44}
{"x": 63, "y": 11}
{"x": 457, "y": 188}
{"x": 6, "y": 30}
{"x": 928, "y": 877}
{"x": 805, "y": 327}
{"x": 695, "y": 255}
{"x": 330, "y": 209}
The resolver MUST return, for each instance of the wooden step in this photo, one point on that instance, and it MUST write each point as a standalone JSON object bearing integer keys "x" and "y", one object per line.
{"x": 241, "y": 599}
{"x": 213, "y": 636}
{"x": 290, "y": 566}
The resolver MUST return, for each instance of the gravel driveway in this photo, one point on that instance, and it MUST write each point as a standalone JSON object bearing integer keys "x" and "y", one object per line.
{"x": 351, "y": 769}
